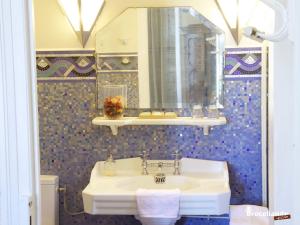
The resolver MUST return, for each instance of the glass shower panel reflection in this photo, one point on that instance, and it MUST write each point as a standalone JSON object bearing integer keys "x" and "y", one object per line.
{"x": 183, "y": 59}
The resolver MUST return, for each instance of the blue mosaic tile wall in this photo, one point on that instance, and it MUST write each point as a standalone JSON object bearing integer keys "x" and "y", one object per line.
{"x": 70, "y": 145}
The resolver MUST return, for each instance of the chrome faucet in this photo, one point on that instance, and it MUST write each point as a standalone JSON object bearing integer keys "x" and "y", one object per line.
{"x": 176, "y": 163}
{"x": 160, "y": 166}
{"x": 144, "y": 157}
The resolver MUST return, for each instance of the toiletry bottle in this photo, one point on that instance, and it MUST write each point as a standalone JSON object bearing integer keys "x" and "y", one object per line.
{"x": 198, "y": 112}
{"x": 213, "y": 112}
{"x": 110, "y": 166}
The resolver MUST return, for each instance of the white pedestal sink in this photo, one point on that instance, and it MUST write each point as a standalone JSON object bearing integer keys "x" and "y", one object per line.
{"x": 204, "y": 188}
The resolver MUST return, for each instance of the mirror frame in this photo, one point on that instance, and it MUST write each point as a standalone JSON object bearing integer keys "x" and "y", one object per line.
{"x": 116, "y": 10}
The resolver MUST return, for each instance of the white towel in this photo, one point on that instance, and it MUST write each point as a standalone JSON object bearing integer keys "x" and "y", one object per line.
{"x": 158, "y": 203}
{"x": 249, "y": 215}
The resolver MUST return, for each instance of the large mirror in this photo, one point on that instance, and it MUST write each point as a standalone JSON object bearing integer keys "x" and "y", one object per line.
{"x": 166, "y": 58}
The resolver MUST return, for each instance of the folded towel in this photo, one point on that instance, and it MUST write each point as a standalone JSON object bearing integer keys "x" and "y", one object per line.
{"x": 158, "y": 203}
{"x": 249, "y": 215}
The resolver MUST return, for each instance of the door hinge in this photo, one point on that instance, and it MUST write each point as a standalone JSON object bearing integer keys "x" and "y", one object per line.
{"x": 28, "y": 200}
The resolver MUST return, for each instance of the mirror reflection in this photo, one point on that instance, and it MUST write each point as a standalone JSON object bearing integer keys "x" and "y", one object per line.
{"x": 165, "y": 58}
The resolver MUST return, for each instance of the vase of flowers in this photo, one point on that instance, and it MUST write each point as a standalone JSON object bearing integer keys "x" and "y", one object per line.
{"x": 114, "y": 101}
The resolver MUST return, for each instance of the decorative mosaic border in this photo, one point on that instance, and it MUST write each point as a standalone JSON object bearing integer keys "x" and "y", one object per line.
{"x": 243, "y": 63}
{"x": 65, "y": 65}
{"x": 240, "y": 63}
{"x": 122, "y": 63}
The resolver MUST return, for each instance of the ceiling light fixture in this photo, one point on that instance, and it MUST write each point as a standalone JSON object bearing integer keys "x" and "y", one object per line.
{"x": 230, "y": 12}
{"x": 82, "y": 15}
{"x": 237, "y": 14}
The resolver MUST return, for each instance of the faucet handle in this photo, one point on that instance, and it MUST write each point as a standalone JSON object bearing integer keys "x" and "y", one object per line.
{"x": 177, "y": 163}
{"x": 144, "y": 155}
{"x": 177, "y": 154}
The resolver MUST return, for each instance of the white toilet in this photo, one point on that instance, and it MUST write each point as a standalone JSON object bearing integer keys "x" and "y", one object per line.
{"x": 49, "y": 201}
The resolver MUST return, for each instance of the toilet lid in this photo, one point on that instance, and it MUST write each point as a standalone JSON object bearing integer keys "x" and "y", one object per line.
{"x": 48, "y": 180}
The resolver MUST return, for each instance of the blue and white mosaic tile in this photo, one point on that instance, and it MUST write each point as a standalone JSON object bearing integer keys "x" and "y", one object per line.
{"x": 70, "y": 145}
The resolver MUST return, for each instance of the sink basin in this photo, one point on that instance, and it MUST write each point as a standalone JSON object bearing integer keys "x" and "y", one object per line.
{"x": 204, "y": 187}
{"x": 147, "y": 182}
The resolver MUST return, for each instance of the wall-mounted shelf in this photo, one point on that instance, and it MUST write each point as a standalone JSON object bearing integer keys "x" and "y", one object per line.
{"x": 205, "y": 123}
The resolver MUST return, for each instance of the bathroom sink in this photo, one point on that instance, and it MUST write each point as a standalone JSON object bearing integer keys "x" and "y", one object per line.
{"x": 147, "y": 182}
{"x": 204, "y": 187}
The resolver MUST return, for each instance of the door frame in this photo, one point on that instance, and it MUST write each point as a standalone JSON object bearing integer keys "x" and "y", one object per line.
{"x": 19, "y": 158}
{"x": 19, "y": 139}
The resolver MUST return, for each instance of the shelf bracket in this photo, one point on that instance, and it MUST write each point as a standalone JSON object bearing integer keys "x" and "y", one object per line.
{"x": 114, "y": 130}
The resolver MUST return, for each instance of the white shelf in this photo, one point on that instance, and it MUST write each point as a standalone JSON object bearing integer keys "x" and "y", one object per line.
{"x": 205, "y": 123}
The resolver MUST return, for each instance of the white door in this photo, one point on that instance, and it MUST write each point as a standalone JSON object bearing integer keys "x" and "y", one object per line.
{"x": 18, "y": 115}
